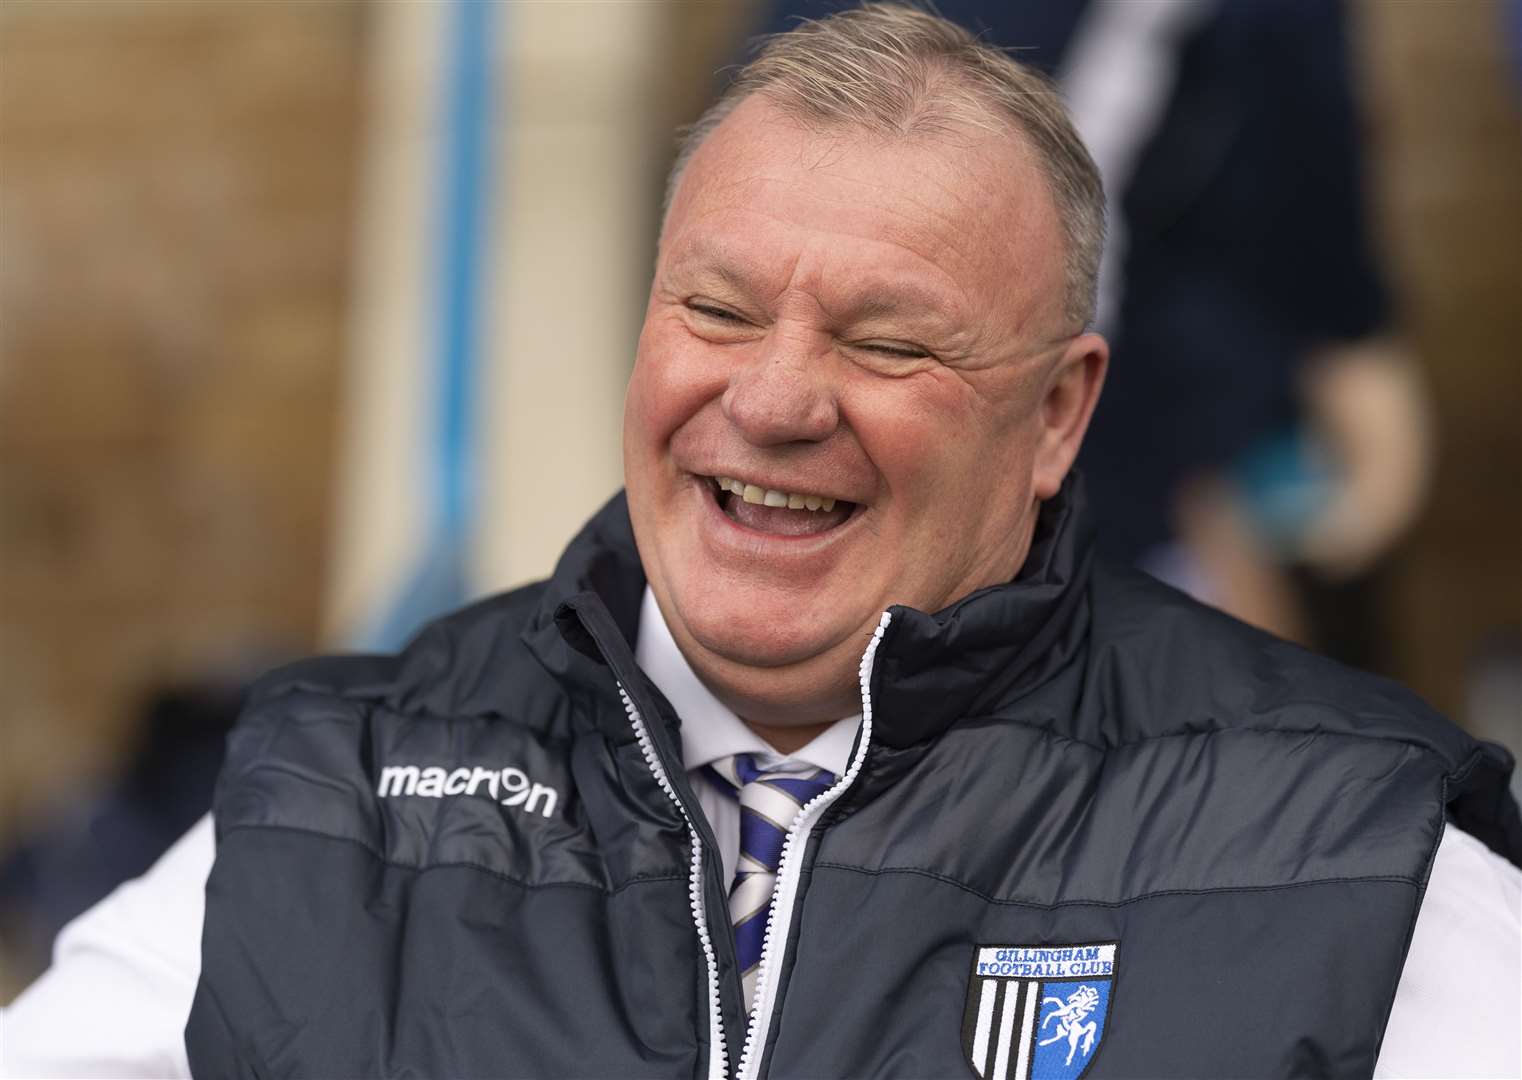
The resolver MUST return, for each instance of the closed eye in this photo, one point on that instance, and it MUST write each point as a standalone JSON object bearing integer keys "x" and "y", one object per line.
{"x": 895, "y": 348}
{"x": 712, "y": 312}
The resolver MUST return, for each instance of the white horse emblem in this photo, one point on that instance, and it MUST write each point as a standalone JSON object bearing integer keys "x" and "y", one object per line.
{"x": 1028, "y": 1006}
{"x": 1072, "y": 1019}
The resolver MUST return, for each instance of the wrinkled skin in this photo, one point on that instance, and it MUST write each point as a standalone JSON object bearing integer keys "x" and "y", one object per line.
{"x": 876, "y": 320}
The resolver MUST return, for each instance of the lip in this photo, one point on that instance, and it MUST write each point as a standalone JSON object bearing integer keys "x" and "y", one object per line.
{"x": 734, "y": 539}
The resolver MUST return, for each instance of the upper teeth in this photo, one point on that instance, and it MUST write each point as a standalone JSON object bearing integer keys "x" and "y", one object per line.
{"x": 770, "y": 497}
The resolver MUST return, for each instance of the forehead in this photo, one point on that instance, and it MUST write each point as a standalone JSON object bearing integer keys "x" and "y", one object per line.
{"x": 966, "y": 212}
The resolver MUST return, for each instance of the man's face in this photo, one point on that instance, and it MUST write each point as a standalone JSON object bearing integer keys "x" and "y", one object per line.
{"x": 871, "y": 326}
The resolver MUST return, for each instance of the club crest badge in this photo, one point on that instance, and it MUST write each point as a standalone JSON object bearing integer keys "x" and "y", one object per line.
{"x": 1037, "y": 1012}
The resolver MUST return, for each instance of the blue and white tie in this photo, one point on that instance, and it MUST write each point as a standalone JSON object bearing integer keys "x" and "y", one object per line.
{"x": 769, "y": 800}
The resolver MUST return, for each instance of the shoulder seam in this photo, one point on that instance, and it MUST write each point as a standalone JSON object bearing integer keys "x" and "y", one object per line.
{"x": 457, "y": 864}
{"x": 1392, "y": 879}
{"x": 364, "y": 705}
{"x": 1232, "y": 730}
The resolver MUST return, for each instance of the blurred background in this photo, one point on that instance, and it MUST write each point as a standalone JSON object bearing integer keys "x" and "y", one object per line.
{"x": 315, "y": 319}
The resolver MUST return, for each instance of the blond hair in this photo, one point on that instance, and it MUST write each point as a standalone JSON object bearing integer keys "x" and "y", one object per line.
{"x": 898, "y": 71}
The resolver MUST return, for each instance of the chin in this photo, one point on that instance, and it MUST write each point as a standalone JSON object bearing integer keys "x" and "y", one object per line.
{"x": 781, "y": 678}
{"x": 759, "y": 627}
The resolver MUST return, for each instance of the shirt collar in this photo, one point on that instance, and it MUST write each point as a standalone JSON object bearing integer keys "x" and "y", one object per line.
{"x": 710, "y": 729}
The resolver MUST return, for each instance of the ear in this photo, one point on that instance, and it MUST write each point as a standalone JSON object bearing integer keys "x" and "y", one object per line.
{"x": 1072, "y": 390}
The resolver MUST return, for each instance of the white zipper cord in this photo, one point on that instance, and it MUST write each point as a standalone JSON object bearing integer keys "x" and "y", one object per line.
{"x": 718, "y": 1056}
{"x": 790, "y": 872}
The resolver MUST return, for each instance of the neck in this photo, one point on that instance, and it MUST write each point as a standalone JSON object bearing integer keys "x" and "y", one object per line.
{"x": 789, "y": 739}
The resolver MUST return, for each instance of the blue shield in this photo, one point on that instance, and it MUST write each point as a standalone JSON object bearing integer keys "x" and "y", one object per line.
{"x": 1037, "y": 1012}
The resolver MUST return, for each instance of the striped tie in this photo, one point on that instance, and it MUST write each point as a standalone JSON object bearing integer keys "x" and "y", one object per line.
{"x": 769, "y": 800}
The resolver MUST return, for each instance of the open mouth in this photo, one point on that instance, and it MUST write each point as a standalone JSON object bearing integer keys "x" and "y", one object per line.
{"x": 780, "y": 513}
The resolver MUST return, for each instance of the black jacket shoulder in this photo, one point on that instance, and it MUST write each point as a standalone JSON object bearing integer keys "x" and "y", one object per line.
{"x": 432, "y": 663}
{"x": 1161, "y": 665}
{"x": 1167, "y": 659}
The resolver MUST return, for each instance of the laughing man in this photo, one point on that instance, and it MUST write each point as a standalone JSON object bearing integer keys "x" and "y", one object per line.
{"x": 829, "y": 750}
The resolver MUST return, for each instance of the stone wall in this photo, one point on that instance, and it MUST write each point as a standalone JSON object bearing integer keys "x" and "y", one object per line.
{"x": 175, "y": 187}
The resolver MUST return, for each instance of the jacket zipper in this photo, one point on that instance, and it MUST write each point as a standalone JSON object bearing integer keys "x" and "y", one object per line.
{"x": 718, "y": 1057}
{"x": 790, "y": 872}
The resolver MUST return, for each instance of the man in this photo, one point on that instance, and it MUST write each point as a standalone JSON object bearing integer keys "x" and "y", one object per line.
{"x": 832, "y": 752}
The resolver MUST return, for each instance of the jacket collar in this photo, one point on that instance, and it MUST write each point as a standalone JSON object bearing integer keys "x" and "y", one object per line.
{"x": 995, "y": 645}
{"x": 989, "y": 648}
{"x": 598, "y": 579}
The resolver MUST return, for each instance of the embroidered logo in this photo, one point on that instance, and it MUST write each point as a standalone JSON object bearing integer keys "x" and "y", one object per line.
{"x": 1037, "y": 1012}
{"x": 509, "y": 786}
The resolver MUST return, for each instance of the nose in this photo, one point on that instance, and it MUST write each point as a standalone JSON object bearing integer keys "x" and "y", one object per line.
{"x": 783, "y": 393}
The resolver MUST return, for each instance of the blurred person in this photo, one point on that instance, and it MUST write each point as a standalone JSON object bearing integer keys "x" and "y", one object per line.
{"x": 1294, "y": 461}
{"x": 831, "y": 748}
{"x": 86, "y": 847}
{"x": 1270, "y": 478}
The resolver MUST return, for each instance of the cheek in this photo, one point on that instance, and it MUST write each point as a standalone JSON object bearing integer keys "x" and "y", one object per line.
{"x": 930, "y": 437}
{"x": 671, "y": 382}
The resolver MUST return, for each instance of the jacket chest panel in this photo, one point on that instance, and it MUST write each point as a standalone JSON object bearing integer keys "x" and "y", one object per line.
{"x": 1017, "y": 813}
{"x": 361, "y": 969}
{"x": 422, "y": 792}
{"x": 1230, "y": 983}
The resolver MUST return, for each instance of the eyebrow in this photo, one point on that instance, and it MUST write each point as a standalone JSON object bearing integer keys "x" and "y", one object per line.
{"x": 702, "y": 256}
{"x": 878, "y": 299}
{"x": 888, "y": 301}
{"x": 733, "y": 276}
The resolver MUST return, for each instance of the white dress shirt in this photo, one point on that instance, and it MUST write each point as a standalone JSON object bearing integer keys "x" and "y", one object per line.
{"x": 710, "y": 731}
{"x": 115, "y": 1001}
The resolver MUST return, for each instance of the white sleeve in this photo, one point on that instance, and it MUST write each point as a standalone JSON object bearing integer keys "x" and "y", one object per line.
{"x": 1457, "y": 1006}
{"x": 115, "y": 1001}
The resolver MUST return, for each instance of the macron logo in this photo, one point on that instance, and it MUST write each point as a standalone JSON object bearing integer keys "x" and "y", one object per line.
{"x": 509, "y": 786}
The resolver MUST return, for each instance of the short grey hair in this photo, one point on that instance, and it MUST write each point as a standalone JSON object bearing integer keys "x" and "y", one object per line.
{"x": 896, "y": 70}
